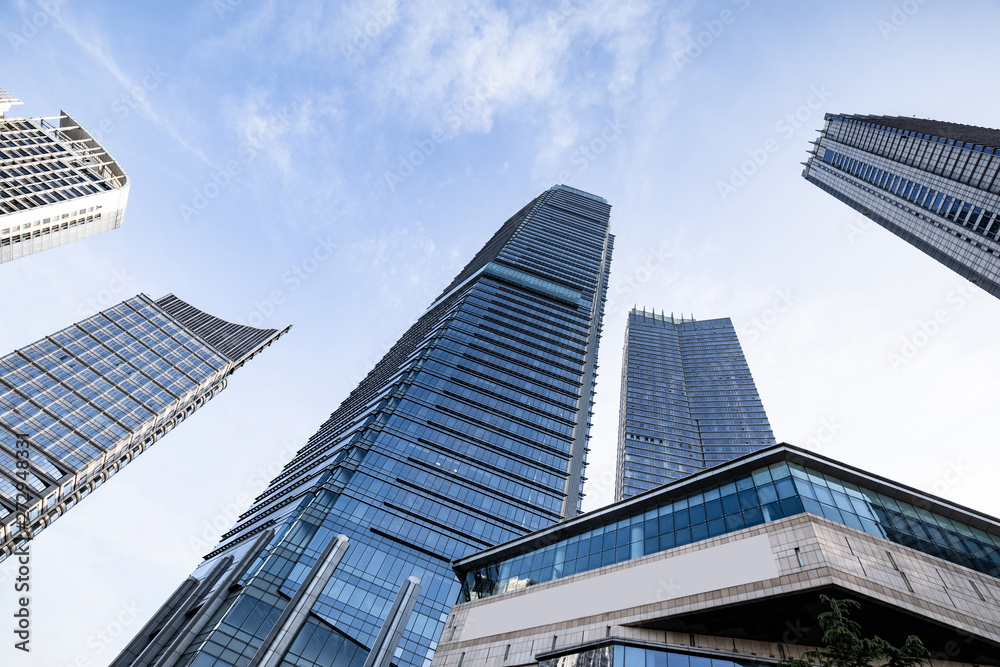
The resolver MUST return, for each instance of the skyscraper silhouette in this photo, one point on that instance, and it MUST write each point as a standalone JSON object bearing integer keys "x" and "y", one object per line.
{"x": 933, "y": 184}
{"x": 472, "y": 430}
{"x": 77, "y": 406}
{"x": 57, "y": 183}
{"x": 688, "y": 401}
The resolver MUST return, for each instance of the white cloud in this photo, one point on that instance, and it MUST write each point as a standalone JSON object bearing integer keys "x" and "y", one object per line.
{"x": 91, "y": 40}
{"x": 457, "y": 65}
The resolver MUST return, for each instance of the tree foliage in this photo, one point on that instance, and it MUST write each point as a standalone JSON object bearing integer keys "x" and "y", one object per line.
{"x": 845, "y": 647}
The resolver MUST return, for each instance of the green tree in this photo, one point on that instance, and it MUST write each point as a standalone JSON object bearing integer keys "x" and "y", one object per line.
{"x": 845, "y": 647}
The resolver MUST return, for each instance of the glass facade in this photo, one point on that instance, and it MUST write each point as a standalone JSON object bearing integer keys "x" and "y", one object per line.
{"x": 729, "y": 503}
{"x": 57, "y": 184}
{"x": 78, "y": 405}
{"x": 975, "y": 219}
{"x": 620, "y": 655}
{"x": 472, "y": 430}
{"x": 931, "y": 183}
{"x": 688, "y": 401}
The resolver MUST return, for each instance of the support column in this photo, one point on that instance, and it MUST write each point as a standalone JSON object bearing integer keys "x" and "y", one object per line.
{"x": 141, "y": 639}
{"x": 392, "y": 629}
{"x": 178, "y": 618}
{"x": 212, "y": 604}
{"x": 294, "y": 617}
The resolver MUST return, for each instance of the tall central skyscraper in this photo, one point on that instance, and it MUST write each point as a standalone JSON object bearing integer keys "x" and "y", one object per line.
{"x": 688, "y": 401}
{"x": 935, "y": 185}
{"x": 471, "y": 430}
{"x": 57, "y": 183}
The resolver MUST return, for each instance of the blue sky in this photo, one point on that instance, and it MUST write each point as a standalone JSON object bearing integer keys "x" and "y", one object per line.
{"x": 334, "y": 165}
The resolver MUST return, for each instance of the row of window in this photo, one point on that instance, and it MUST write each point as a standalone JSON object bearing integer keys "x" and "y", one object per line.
{"x": 974, "y": 218}
{"x": 523, "y": 320}
{"x": 55, "y": 218}
{"x": 765, "y": 494}
{"x": 109, "y": 396}
{"x": 956, "y": 160}
{"x": 38, "y": 233}
{"x": 858, "y": 123}
{"x": 632, "y": 656}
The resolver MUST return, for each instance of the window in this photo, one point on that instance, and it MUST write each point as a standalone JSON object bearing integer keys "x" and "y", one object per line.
{"x": 955, "y": 207}
{"x": 964, "y": 213}
{"x": 946, "y": 206}
{"x": 976, "y": 589}
{"x": 937, "y": 202}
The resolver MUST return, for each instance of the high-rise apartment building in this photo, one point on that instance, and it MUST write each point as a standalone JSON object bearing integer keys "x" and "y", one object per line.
{"x": 57, "y": 183}
{"x": 472, "y": 430}
{"x": 78, "y": 405}
{"x": 725, "y": 568}
{"x": 688, "y": 401}
{"x": 935, "y": 185}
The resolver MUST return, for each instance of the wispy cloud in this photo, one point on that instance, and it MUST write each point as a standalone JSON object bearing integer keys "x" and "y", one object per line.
{"x": 97, "y": 47}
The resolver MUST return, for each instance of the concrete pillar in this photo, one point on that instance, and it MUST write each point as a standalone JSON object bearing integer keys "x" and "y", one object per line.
{"x": 178, "y": 618}
{"x": 394, "y": 624}
{"x": 182, "y": 593}
{"x": 294, "y": 617}
{"x": 212, "y": 604}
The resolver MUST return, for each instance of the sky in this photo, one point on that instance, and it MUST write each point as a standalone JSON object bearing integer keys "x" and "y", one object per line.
{"x": 333, "y": 165}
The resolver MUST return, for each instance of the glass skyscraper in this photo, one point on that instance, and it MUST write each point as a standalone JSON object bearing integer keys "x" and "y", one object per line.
{"x": 57, "y": 183}
{"x": 688, "y": 401}
{"x": 77, "y": 406}
{"x": 472, "y": 430}
{"x": 935, "y": 185}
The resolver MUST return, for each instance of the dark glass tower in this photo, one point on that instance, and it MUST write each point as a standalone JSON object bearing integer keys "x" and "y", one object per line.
{"x": 472, "y": 430}
{"x": 688, "y": 401}
{"x": 933, "y": 184}
{"x": 78, "y": 405}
